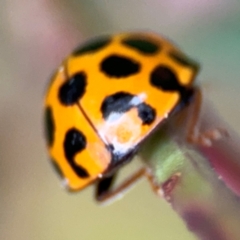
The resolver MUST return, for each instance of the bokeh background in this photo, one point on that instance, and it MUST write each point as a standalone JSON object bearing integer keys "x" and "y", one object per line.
{"x": 34, "y": 37}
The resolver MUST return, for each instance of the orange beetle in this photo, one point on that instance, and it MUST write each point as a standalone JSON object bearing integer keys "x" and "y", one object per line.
{"x": 106, "y": 98}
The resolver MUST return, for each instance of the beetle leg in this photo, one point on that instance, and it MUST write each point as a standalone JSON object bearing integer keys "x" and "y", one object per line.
{"x": 104, "y": 193}
{"x": 193, "y": 134}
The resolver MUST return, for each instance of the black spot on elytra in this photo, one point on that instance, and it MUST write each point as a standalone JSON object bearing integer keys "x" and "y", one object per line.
{"x": 183, "y": 60}
{"x": 121, "y": 102}
{"x": 92, "y": 46}
{"x": 146, "y": 113}
{"x": 116, "y": 103}
{"x": 72, "y": 90}
{"x": 57, "y": 168}
{"x": 162, "y": 77}
{"x": 49, "y": 126}
{"x": 75, "y": 142}
{"x": 142, "y": 45}
{"x": 119, "y": 66}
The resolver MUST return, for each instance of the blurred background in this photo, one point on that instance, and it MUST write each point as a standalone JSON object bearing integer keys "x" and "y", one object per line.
{"x": 35, "y": 36}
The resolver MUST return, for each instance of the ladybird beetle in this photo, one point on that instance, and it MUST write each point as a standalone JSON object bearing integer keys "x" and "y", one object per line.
{"x": 106, "y": 98}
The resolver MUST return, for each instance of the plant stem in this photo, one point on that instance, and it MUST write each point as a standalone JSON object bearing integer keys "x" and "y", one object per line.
{"x": 205, "y": 197}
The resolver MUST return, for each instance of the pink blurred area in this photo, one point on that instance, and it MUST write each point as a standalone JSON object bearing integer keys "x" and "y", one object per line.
{"x": 40, "y": 32}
